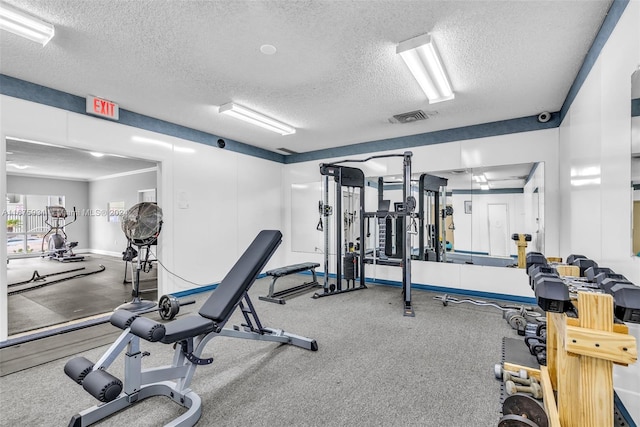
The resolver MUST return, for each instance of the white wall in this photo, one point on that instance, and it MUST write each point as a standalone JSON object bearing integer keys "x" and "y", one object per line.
{"x": 107, "y": 237}
{"x": 538, "y": 146}
{"x": 472, "y": 231}
{"x": 596, "y": 136}
{"x": 214, "y": 201}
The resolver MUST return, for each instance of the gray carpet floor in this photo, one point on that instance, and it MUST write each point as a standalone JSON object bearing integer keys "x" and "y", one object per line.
{"x": 374, "y": 367}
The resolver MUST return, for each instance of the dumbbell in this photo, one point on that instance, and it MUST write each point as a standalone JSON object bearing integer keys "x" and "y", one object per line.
{"x": 506, "y": 376}
{"x": 534, "y": 389}
{"x": 499, "y": 372}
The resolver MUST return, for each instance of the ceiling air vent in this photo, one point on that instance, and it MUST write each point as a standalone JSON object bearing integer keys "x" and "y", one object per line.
{"x": 286, "y": 150}
{"x": 411, "y": 116}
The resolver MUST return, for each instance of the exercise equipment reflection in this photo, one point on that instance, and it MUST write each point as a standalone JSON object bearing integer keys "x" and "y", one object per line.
{"x": 59, "y": 248}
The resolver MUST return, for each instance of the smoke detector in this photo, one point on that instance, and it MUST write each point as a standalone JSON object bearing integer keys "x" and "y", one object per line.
{"x": 412, "y": 116}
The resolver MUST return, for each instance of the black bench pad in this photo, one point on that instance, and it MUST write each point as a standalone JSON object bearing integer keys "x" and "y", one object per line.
{"x": 186, "y": 327}
{"x": 291, "y": 269}
{"x": 224, "y": 299}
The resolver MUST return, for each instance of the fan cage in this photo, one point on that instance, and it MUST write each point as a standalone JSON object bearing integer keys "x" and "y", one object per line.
{"x": 142, "y": 223}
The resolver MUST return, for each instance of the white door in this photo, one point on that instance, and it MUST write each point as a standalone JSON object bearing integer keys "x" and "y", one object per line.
{"x": 498, "y": 230}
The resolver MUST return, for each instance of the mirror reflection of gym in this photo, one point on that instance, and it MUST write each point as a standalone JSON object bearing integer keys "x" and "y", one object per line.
{"x": 478, "y": 212}
{"x": 635, "y": 162}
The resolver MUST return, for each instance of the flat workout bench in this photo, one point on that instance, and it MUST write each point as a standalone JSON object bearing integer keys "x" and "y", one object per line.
{"x": 276, "y": 273}
{"x": 189, "y": 335}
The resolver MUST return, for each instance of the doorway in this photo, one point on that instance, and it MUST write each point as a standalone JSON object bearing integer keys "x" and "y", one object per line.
{"x": 498, "y": 215}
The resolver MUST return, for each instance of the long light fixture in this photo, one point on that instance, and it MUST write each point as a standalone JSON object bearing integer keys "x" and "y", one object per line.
{"x": 255, "y": 118}
{"x": 25, "y": 25}
{"x": 421, "y": 56}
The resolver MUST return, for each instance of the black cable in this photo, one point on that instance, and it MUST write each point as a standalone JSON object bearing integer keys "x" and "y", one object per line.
{"x": 174, "y": 274}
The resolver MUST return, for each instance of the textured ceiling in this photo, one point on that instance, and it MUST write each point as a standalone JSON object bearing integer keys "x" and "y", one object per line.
{"x": 335, "y": 76}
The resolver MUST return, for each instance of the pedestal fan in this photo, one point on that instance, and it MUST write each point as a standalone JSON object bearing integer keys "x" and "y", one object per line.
{"x": 141, "y": 224}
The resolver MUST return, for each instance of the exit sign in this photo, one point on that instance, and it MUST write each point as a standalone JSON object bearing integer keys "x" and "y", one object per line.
{"x": 102, "y": 107}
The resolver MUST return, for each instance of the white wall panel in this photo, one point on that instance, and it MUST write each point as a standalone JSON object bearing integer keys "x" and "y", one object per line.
{"x": 596, "y": 134}
{"x": 260, "y": 206}
{"x": 508, "y": 281}
{"x": 19, "y": 119}
{"x": 205, "y": 212}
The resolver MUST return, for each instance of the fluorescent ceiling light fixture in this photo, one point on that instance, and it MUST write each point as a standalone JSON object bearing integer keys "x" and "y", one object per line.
{"x": 255, "y": 118}
{"x": 25, "y": 25}
{"x": 421, "y": 56}
{"x": 484, "y": 186}
{"x": 96, "y": 154}
{"x": 480, "y": 178}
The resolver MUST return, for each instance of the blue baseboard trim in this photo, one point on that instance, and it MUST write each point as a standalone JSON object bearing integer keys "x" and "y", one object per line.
{"x": 97, "y": 321}
{"x": 203, "y": 289}
{"x": 442, "y": 289}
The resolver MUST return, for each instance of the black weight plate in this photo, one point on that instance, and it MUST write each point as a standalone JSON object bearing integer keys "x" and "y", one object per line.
{"x": 526, "y": 406}
{"x": 164, "y": 307}
{"x": 513, "y": 420}
{"x": 174, "y": 306}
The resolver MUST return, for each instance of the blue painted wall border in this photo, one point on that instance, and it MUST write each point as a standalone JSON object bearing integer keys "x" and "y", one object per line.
{"x": 531, "y": 172}
{"x": 504, "y": 127}
{"x": 11, "y": 86}
{"x": 609, "y": 23}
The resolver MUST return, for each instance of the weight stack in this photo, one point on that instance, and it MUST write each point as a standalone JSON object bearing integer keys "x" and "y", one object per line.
{"x": 350, "y": 263}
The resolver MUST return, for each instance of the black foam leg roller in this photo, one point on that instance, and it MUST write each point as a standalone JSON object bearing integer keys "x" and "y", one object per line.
{"x": 122, "y": 318}
{"x": 78, "y": 368}
{"x": 102, "y": 385}
{"x": 148, "y": 329}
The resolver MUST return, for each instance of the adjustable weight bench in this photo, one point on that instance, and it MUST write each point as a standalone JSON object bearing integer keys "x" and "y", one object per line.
{"x": 189, "y": 335}
{"x": 276, "y": 273}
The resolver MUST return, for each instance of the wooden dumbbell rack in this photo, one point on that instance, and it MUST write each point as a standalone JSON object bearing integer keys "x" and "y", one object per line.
{"x": 578, "y": 379}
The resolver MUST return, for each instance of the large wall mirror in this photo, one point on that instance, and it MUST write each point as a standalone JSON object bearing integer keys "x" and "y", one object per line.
{"x": 483, "y": 208}
{"x": 635, "y": 162}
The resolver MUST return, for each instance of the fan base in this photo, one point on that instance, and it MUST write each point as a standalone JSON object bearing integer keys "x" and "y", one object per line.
{"x": 138, "y": 305}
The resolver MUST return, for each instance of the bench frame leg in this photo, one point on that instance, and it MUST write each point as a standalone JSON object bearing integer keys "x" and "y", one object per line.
{"x": 279, "y": 296}
{"x": 174, "y": 380}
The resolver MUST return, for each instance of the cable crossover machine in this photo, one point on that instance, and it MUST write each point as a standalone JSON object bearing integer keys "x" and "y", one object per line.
{"x": 350, "y": 252}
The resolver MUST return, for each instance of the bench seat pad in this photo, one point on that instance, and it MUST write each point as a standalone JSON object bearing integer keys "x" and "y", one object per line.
{"x": 291, "y": 269}
{"x": 186, "y": 327}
